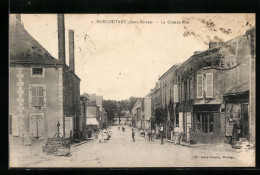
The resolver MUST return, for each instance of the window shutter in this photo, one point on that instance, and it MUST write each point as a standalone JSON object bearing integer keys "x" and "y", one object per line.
{"x": 209, "y": 85}
{"x": 199, "y": 86}
{"x": 40, "y": 96}
{"x": 191, "y": 88}
{"x": 176, "y": 97}
{"x": 33, "y": 126}
{"x": 40, "y": 125}
{"x": 188, "y": 89}
{"x": 44, "y": 96}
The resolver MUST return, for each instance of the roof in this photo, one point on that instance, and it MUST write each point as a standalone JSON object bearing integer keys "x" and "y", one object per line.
{"x": 199, "y": 54}
{"x": 168, "y": 71}
{"x": 23, "y": 48}
{"x": 239, "y": 89}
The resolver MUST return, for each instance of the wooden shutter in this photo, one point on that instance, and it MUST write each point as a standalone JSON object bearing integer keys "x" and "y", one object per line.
{"x": 191, "y": 88}
{"x": 33, "y": 128}
{"x": 176, "y": 97}
{"x": 40, "y": 96}
{"x": 209, "y": 85}
{"x": 40, "y": 125}
{"x": 199, "y": 86}
{"x": 33, "y": 96}
{"x": 37, "y": 120}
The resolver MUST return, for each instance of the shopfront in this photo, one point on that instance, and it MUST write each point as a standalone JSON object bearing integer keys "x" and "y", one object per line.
{"x": 208, "y": 123}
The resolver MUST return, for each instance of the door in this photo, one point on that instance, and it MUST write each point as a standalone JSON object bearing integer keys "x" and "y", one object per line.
{"x": 37, "y": 125}
{"x": 244, "y": 126}
{"x": 15, "y": 126}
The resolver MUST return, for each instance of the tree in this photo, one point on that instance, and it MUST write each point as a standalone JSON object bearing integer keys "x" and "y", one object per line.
{"x": 160, "y": 115}
{"x": 111, "y": 107}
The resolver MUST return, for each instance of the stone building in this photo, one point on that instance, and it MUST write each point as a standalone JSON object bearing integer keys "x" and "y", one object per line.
{"x": 96, "y": 114}
{"x": 42, "y": 90}
{"x": 204, "y": 80}
{"x": 155, "y": 95}
{"x": 168, "y": 86}
{"x": 137, "y": 114}
{"x": 141, "y": 113}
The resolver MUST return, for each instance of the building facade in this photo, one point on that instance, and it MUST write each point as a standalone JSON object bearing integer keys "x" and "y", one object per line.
{"x": 168, "y": 85}
{"x": 39, "y": 86}
{"x": 204, "y": 80}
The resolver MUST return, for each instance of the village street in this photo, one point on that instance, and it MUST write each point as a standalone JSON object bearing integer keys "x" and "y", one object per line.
{"x": 120, "y": 151}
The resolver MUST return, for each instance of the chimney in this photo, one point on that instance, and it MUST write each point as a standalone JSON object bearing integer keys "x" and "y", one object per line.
{"x": 61, "y": 38}
{"x": 214, "y": 44}
{"x": 71, "y": 51}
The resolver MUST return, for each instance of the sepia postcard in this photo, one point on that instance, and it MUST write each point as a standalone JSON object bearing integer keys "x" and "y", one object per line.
{"x": 131, "y": 90}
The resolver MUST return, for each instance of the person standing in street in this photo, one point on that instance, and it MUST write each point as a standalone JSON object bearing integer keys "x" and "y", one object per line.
{"x": 118, "y": 128}
{"x": 161, "y": 133}
{"x": 133, "y": 134}
{"x": 153, "y": 134}
{"x": 177, "y": 135}
{"x": 149, "y": 132}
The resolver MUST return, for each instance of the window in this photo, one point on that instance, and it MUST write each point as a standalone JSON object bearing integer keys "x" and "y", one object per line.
{"x": 175, "y": 92}
{"x": 37, "y": 124}
{"x": 204, "y": 123}
{"x": 38, "y": 72}
{"x": 209, "y": 85}
{"x": 37, "y": 95}
{"x": 199, "y": 86}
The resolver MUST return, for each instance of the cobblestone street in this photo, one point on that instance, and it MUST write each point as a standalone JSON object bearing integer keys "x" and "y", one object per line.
{"x": 120, "y": 151}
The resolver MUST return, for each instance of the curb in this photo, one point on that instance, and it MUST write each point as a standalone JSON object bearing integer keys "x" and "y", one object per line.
{"x": 75, "y": 145}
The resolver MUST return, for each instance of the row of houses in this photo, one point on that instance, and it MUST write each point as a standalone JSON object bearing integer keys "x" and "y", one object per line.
{"x": 45, "y": 91}
{"x": 206, "y": 94}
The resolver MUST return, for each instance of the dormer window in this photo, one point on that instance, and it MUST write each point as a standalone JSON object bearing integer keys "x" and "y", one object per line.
{"x": 38, "y": 72}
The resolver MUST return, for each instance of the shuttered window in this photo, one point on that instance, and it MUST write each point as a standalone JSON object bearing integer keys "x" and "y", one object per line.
{"x": 175, "y": 91}
{"x": 37, "y": 125}
{"x": 209, "y": 85}
{"x": 37, "y": 95}
{"x": 199, "y": 86}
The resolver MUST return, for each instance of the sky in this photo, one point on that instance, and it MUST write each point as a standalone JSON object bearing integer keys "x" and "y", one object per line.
{"x": 122, "y": 60}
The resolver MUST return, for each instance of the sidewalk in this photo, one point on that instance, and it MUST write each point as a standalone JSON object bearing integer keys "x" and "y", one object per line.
{"x": 201, "y": 145}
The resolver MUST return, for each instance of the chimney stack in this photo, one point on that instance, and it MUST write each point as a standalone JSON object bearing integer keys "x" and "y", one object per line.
{"x": 71, "y": 51}
{"x": 61, "y": 38}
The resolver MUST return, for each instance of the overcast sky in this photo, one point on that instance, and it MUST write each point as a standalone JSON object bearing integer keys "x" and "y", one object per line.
{"x": 123, "y": 60}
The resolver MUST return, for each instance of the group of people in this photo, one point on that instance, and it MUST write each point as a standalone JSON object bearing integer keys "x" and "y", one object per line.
{"x": 151, "y": 134}
{"x": 104, "y": 135}
{"x": 123, "y": 128}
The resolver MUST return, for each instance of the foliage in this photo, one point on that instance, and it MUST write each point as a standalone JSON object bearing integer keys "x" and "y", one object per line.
{"x": 160, "y": 115}
{"x": 171, "y": 110}
{"x": 111, "y": 108}
{"x": 117, "y": 108}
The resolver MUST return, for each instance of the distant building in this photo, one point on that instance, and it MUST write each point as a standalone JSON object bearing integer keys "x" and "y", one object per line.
{"x": 42, "y": 90}
{"x": 96, "y": 114}
{"x": 169, "y": 99}
{"x": 141, "y": 113}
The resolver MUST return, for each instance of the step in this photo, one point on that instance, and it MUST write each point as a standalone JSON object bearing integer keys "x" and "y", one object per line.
{"x": 243, "y": 139}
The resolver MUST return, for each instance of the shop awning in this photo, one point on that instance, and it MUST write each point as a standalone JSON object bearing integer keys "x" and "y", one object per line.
{"x": 239, "y": 89}
{"x": 208, "y": 102}
{"x": 92, "y": 121}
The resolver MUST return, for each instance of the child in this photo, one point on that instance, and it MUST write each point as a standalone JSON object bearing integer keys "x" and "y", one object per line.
{"x": 133, "y": 134}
